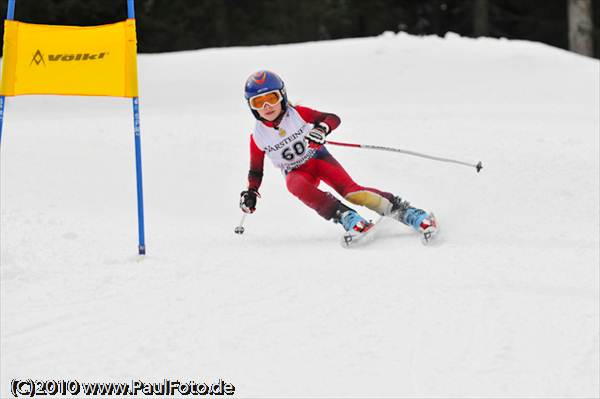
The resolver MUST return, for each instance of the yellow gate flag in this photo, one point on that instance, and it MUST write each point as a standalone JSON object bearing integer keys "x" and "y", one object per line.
{"x": 70, "y": 60}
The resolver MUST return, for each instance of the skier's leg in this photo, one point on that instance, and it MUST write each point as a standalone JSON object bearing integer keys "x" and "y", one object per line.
{"x": 332, "y": 173}
{"x": 384, "y": 203}
{"x": 304, "y": 186}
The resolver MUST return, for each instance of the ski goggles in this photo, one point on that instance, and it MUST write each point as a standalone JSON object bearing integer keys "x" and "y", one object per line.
{"x": 271, "y": 97}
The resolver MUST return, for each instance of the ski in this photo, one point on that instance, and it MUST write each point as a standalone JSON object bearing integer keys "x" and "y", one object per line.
{"x": 429, "y": 233}
{"x": 353, "y": 238}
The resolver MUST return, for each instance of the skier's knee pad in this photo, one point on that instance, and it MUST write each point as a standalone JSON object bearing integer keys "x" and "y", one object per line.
{"x": 371, "y": 200}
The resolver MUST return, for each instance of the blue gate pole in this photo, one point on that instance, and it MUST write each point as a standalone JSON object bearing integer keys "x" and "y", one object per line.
{"x": 10, "y": 14}
{"x": 138, "y": 155}
{"x": 138, "y": 170}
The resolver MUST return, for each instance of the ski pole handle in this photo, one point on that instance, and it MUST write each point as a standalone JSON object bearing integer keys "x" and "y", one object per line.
{"x": 477, "y": 166}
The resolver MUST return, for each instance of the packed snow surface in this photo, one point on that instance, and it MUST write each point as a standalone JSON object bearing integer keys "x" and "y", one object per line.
{"x": 506, "y": 305}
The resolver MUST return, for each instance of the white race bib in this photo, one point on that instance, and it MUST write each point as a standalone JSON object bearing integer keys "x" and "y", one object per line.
{"x": 285, "y": 145}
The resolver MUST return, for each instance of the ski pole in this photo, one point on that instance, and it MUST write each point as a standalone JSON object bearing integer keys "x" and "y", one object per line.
{"x": 477, "y": 166}
{"x": 240, "y": 228}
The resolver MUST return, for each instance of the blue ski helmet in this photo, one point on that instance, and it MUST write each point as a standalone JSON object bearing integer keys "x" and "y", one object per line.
{"x": 262, "y": 82}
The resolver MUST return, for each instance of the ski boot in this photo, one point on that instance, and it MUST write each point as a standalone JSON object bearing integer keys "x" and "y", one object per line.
{"x": 355, "y": 225}
{"x": 425, "y": 224}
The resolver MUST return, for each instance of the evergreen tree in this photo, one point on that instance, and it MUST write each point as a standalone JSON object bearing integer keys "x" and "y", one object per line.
{"x": 172, "y": 25}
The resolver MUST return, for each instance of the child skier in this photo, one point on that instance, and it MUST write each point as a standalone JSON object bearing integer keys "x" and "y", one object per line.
{"x": 293, "y": 137}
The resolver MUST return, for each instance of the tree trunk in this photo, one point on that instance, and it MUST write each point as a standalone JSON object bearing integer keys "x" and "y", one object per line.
{"x": 481, "y": 18}
{"x": 580, "y": 27}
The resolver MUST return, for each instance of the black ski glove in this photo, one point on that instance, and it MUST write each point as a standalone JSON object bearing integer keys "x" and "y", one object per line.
{"x": 316, "y": 136}
{"x": 248, "y": 200}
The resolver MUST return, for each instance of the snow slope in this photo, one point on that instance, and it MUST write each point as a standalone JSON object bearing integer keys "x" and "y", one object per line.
{"x": 506, "y": 306}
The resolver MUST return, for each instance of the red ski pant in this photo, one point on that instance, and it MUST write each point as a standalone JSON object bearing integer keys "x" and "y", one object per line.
{"x": 303, "y": 182}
